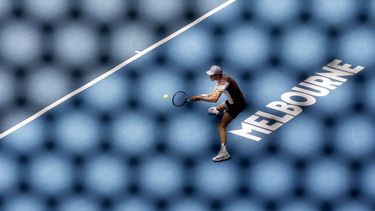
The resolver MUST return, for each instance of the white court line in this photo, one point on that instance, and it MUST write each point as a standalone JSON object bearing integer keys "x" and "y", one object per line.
{"x": 115, "y": 69}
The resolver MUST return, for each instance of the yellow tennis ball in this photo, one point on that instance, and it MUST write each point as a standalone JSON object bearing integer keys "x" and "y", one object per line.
{"x": 166, "y": 97}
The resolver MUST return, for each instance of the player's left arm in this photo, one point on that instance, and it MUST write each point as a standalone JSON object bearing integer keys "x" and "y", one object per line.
{"x": 213, "y": 97}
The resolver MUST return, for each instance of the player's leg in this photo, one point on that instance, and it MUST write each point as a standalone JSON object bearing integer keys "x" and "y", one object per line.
{"x": 223, "y": 153}
{"x": 218, "y": 109}
{"x": 225, "y": 120}
{"x": 222, "y": 107}
{"x": 231, "y": 113}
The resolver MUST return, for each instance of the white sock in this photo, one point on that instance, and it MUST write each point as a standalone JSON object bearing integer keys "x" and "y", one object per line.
{"x": 223, "y": 146}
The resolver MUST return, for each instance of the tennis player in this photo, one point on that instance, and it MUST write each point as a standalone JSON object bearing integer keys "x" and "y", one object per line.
{"x": 230, "y": 108}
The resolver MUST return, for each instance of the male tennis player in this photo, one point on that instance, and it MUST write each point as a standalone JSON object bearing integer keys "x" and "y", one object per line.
{"x": 230, "y": 108}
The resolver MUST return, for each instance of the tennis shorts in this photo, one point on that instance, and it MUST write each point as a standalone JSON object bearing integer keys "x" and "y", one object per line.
{"x": 235, "y": 108}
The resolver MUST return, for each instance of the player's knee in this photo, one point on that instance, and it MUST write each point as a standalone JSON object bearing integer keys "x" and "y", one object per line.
{"x": 226, "y": 124}
{"x": 222, "y": 125}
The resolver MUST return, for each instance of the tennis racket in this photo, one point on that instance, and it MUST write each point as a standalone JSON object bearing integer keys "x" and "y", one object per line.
{"x": 180, "y": 98}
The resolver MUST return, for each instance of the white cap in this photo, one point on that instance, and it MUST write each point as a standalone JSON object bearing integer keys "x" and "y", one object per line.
{"x": 214, "y": 70}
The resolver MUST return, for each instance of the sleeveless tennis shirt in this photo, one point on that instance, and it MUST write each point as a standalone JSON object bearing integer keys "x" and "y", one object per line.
{"x": 231, "y": 90}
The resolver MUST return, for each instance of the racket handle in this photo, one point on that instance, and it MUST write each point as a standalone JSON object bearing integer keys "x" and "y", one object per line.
{"x": 188, "y": 99}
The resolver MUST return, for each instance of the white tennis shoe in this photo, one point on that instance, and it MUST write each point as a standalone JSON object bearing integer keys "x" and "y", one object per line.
{"x": 213, "y": 111}
{"x": 222, "y": 155}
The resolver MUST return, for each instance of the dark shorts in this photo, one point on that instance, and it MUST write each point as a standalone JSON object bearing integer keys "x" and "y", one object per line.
{"x": 235, "y": 109}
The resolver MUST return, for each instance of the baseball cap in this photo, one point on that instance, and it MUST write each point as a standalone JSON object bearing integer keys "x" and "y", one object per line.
{"x": 214, "y": 70}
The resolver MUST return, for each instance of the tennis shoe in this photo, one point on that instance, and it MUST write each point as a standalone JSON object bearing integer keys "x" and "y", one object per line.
{"x": 221, "y": 156}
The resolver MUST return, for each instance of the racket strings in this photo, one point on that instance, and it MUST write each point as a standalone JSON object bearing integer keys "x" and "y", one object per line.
{"x": 179, "y": 98}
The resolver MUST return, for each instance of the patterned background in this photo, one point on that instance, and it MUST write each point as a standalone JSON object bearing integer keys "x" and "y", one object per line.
{"x": 120, "y": 146}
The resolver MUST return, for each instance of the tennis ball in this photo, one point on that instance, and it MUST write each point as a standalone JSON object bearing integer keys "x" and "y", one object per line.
{"x": 166, "y": 97}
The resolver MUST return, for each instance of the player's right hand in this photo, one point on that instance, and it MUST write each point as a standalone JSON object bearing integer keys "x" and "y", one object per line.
{"x": 195, "y": 98}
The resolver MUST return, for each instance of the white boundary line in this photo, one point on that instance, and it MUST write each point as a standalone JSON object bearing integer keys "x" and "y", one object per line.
{"x": 113, "y": 70}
